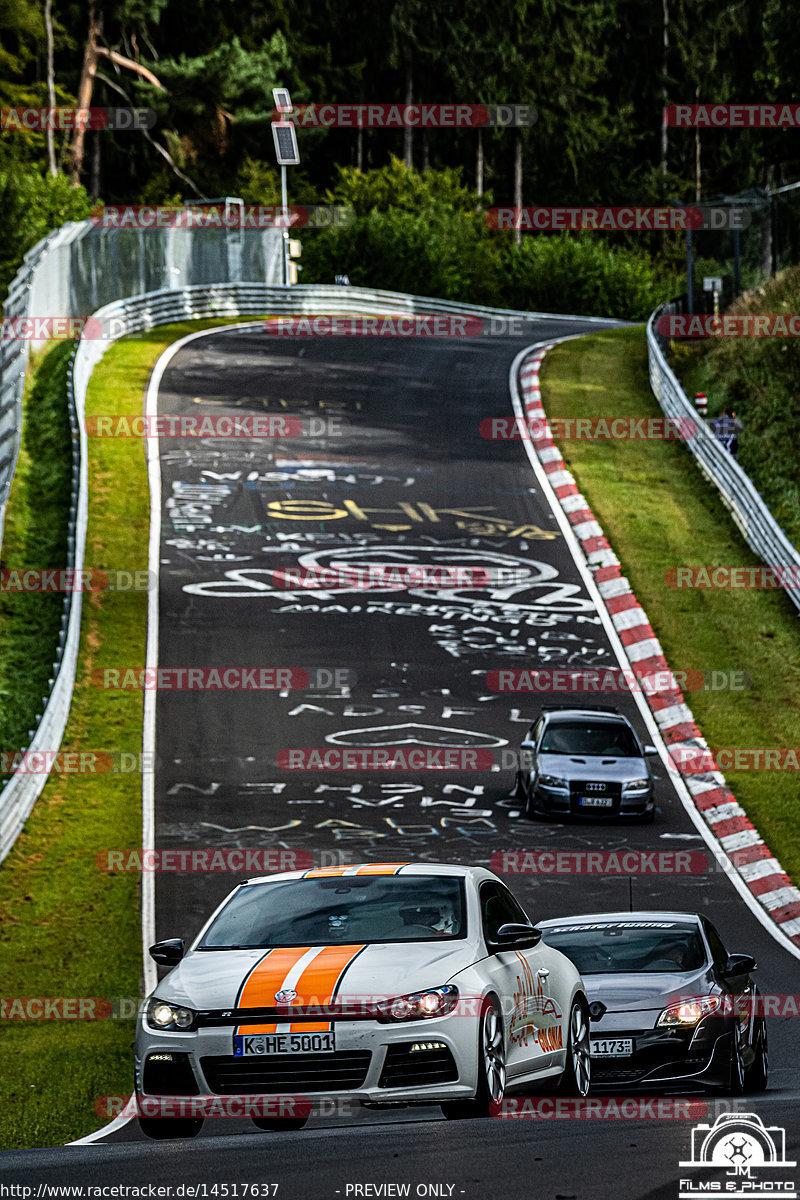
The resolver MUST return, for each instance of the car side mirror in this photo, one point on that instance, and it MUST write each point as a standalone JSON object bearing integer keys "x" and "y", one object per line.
{"x": 513, "y": 936}
{"x": 168, "y": 953}
{"x": 738, "y": 964}
{"x": 649, "y": 751}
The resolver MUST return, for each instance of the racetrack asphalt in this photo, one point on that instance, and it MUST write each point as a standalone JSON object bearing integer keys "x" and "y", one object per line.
{"x": 391, "y": 467}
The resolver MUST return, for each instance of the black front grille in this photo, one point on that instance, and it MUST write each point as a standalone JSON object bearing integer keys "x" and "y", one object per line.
{"x": 649, "y": 1067}
{"x": 599, "y": 1074}
{"x": 169, "y": 1074}
{"x": 270, "y": 1074}
{"x": 405, "y": 1067}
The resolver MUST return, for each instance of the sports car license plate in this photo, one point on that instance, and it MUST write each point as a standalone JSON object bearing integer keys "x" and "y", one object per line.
{"x": 596, "y": 801}
{"x": 611, "y": 1047}
{"x": 283, "y": 1043}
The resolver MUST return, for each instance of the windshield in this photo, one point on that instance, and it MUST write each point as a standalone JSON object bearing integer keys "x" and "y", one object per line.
{"x": 610, "y": 739}
{"x": 340, "y": 911}
{"x": 623, "y": 947}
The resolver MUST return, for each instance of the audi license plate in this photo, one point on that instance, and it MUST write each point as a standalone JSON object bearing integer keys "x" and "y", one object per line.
{"x": 283, "y": 1043}
{"x": 596, "y": 801}
{"x": 611, "y": 1047}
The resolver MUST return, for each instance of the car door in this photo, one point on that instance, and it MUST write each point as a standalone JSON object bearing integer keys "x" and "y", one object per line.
{"x": 521, "y": 980}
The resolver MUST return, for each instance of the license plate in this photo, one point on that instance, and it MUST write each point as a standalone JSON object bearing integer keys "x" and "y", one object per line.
{"x": 596, "y": 801}
{"x": 248, "y": 1044}
{"x": 611, "y": 1047}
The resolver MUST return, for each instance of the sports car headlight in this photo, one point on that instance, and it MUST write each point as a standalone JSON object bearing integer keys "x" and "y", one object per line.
{"x": 419, "y": 1006}
{"x": 162, "y": 1015}
{"x": 637, "y": 785}
{"x": 553, "y": 781}
{"x": 689, "y": 1011}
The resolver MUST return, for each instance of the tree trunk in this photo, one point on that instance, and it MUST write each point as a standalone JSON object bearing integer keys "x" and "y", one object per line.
{"x": 479, "y": 164}
{"x": 85, "y": 89}
{"x": 51, "y": 86}
{"x": 767, "y": 245}
{"x": 426, "y": 158}
{"x": 698, "y": 178}
{"x": 408, "y": 144}
{"x": 517, "y": 184}
{"x": 664, "y": 69}
{"x": 360, "y": 148}
{"x": 94, "y": 184}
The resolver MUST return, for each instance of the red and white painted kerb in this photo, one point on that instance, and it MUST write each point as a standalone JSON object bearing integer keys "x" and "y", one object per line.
{"x": 727, "y": 820}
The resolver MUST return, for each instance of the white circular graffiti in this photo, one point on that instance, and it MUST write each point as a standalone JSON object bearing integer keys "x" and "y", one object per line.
{"x": 491, "y": 580}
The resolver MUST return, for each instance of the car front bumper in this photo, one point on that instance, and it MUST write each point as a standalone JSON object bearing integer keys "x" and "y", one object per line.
{"x": 557, "y": 802}
{"x": 667, "y": 1058}
{"x": 373, "y": 1063}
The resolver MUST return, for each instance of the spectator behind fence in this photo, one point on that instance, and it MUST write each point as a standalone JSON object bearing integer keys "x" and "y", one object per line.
{"x": 727, "y": 428}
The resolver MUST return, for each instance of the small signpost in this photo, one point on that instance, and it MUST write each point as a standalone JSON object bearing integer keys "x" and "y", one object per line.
{"x": 713, "y": 283}
{"x": 284, "y": 135}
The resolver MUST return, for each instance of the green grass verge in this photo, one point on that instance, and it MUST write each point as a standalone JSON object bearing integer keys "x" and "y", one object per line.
{"x": 35, "y": 536}
{"x": 658, "y": 511}
{"x": 67, "y": 929}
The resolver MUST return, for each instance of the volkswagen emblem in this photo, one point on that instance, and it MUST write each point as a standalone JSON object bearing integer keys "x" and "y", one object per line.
{"x": 285, "y": 995}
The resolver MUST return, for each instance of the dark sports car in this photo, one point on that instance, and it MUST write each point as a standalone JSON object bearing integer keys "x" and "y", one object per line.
{"x": 670, "y": 1007}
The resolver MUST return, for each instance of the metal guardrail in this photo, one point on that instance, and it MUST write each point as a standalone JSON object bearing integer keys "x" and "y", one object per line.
{"x": 135, "y": 315}
{"x": 75, "y": 269}
{"x": 757, "y": 525}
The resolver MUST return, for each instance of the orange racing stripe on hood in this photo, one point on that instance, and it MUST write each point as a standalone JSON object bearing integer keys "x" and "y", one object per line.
{"x": 316, "y": 983}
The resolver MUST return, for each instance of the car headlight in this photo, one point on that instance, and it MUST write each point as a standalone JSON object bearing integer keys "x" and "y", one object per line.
{"x": 689, "y": 1011}
{"x": 419, "y": 1006}
{"x": 637, "y": 785}
{"x": 162, "y": 1015}
{"x": 553, "y": 781}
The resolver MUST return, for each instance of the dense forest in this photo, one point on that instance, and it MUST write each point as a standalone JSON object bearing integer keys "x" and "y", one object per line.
{"x": 597, "y": 72}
